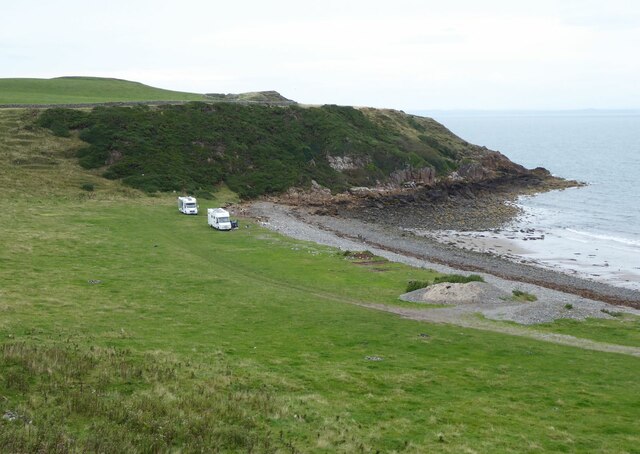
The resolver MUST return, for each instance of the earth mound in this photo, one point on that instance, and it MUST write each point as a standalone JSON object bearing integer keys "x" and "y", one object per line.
{"x": 448, "y": 293}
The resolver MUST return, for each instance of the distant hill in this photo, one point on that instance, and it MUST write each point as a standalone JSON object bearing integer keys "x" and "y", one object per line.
{"x": 81, "y": 90}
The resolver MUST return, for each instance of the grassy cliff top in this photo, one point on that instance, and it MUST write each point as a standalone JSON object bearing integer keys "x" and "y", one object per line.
{"x": 77, "y": 90}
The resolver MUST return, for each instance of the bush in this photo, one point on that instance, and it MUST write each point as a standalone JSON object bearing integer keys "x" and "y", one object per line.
{"x": 60, "y": 121}
{"x": 417, "y": 285}
{"x": 89, "y": 187}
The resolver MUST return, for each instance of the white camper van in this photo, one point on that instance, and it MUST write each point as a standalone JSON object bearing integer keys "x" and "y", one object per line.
{"x": 218, "y": 219}
{"x": 187, "y": 205}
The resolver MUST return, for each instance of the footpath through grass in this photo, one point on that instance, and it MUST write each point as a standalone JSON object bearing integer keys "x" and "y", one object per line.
{"x": 129, "y": 326}
{"x": 623, "y": 330}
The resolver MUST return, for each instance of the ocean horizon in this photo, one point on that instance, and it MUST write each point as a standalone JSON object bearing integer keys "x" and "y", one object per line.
{"x": 592, "y": 231}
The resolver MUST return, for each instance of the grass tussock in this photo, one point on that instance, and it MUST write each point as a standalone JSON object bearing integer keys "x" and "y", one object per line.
{"x": 520, "y": 295}
{"x": 148, "y": 403}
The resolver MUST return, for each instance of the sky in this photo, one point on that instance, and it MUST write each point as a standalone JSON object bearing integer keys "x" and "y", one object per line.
{"x": 402, "y": 54}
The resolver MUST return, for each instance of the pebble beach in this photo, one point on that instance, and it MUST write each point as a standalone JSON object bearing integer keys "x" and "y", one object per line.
{"x": 555, "y": 291}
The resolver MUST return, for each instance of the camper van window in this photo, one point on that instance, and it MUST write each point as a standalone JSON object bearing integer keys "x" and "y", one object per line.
{"x": 190, "y": 205}
{"x": 223, "y": 219}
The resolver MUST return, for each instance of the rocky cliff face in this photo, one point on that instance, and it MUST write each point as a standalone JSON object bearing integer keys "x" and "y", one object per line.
{"x": 412, "y": 178}
{"x": 488, "y": 166}
{"x": 488, "y": 180}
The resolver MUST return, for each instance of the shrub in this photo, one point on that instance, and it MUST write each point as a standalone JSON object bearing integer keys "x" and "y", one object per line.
{"x": 89, "y": 187}
{"x": 416, "y": 285}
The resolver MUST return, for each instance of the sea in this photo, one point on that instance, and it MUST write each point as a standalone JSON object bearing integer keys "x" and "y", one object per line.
{"x": 592, "y": 231}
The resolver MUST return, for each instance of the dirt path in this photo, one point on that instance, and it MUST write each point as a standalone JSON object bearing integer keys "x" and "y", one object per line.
{"x": 467, "y": 319}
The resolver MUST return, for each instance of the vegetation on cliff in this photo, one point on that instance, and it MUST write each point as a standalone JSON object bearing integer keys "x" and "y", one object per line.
{"x": 257, "y": 149}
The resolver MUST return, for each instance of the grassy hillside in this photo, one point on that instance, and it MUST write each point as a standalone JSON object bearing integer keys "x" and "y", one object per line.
{"x": 143, "y": 328}
{"x": 36, "y": 164}
{"x": 80, "y": 90}
{"x": 255, "y": 149}
{"x": 127, "y": 327}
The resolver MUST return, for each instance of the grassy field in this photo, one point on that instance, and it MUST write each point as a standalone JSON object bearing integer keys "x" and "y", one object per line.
{"x": 624, "y": 330}
{"x": 77, "y": 90}
{"x": 127, "y": 327}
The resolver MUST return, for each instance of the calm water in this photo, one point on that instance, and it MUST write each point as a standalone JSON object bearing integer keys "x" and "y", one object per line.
{"x": 594, "y": 230}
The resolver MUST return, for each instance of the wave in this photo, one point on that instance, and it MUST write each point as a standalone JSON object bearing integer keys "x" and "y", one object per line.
{"x": 615, "y": 239}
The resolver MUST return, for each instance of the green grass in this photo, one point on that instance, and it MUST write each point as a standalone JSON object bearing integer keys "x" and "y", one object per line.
{"x": 623, "y": 330}
{"x": 80, "y": 90}
{"x": 519, "y": 295}
{"x": 35, "y": 164}
{"x": 126, "y": 326}
{"x": 273, "y": 316}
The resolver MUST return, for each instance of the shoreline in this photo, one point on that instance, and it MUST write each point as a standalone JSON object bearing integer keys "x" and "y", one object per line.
{"x": 539, "y": 249}
{"x": 395, "y": 239}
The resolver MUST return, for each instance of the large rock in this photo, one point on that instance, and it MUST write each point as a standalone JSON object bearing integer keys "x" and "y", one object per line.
{"x": 491, "y": 165}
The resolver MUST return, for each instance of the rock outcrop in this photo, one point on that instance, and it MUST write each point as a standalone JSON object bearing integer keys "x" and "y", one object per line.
{"x": 410, "y": 177}
{"x": 342, "y": 163}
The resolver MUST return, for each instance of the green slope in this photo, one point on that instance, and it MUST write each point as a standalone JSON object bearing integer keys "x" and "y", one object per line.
{"x": 127, "y": 327}
{"x": 77, "y": 90}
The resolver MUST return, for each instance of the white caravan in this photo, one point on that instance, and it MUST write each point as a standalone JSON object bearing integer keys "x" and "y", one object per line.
{"x": 187, "y": 205}
{"x": 218, "y": 219}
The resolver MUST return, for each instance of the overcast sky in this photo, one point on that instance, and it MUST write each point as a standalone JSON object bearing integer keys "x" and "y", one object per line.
{"x": 404, "y": 54}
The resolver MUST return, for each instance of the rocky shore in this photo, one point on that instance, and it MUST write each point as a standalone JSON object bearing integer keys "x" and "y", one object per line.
{"x": 478, "y": 206}
{"x": 383, "y": 228}
{"x": 550, "y": 305}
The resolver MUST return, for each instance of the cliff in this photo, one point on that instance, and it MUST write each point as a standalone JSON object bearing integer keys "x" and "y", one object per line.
{"x": 261, "y": 149}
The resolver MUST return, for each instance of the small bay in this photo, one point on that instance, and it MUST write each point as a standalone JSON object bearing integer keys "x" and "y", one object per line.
{"x": 593, "y": 231}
